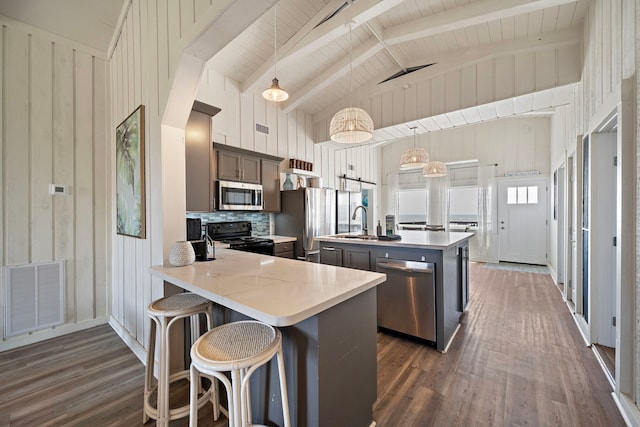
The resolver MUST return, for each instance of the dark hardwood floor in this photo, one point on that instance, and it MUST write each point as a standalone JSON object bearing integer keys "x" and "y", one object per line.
{"x": 518, "y": 360}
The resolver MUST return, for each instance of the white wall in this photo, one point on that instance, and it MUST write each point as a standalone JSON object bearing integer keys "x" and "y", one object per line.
{"x": 53, "y": 122}
{"x": 290, "y": 134}
{"x": 479, "y": 77}
{"x": 609, "y": 76}
{"x": 151, "y": 64}
{"x": 515, "y": 144}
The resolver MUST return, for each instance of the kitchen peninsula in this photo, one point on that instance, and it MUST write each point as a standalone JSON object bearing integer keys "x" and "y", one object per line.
{"x": 328, "y": 322}
{"x": 444, "y": 289}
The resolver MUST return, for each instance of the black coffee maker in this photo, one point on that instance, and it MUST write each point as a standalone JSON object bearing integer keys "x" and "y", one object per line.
{"x": 203, "y": 247}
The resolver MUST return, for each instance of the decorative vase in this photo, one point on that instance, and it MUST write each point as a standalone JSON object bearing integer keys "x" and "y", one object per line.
{"x": 288, "y": 184}
{"x": 182, "y": 253}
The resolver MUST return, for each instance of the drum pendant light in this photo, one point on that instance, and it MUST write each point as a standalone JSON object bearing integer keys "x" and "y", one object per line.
{"x": 274, "y": 93}
{"x": 351, "y": 125}
{"x": 415, "y": 157}
{"x": 435, "y": 169}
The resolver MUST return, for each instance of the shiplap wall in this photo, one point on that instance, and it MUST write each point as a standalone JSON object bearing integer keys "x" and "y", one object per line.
{"x": 290, "y": 134}
{"x": 611, "y": 51}
{"x": 515, "y": 144}
{"x": 142, "y": 68}
{"x": 436, "y": 91}
{"x": 53, "y": 125}
{"x": 143, "y": 65}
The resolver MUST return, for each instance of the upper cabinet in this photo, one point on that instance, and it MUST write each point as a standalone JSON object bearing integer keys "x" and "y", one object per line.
{"x": 200, "y": 159}
{"x": 234, "y": 166}
{"x": 271, "y": 185}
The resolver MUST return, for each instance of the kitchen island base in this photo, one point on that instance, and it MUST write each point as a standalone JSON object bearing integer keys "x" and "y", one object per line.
{"x": 331, "y": 367}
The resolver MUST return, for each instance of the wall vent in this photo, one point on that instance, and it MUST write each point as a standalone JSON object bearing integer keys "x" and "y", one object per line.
{"x": 262, "y": 128}
{"x": 33, "y": 297}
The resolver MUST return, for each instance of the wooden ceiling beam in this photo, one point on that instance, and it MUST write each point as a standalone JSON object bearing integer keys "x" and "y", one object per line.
{"x": 310, "y": 38}
{"x": 363, "y": 52}
{"x": 464, "y": 16}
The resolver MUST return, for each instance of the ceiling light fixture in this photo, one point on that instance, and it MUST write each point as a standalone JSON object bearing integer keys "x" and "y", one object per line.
{"x": 415, "y": 157}
{"x": 351, "y": 125}
{"x": 435, "y": 169}
{"x": 274, "y": 93}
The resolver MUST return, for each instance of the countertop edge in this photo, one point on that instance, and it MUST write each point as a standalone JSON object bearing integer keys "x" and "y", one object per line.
{"x": 278, "y": 321}
{"x": 397, "y": 243}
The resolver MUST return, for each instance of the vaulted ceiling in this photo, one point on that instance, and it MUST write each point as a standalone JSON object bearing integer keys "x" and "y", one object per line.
{"x": 388, "y": 37}
{"x": 315, "y": 63}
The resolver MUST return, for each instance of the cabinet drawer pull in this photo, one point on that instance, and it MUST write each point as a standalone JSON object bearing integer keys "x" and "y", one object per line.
{"x": 328, "y": 249}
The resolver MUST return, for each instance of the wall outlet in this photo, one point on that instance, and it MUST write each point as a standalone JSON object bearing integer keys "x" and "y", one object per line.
{"x": 57, "y": 190}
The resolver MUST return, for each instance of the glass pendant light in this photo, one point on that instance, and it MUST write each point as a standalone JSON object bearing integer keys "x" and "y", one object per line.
{"x": 415, "y": 157}
{"x": 351, "y": 125}
{"x": 435, "y": 169}
{"x": 274, "y": 93}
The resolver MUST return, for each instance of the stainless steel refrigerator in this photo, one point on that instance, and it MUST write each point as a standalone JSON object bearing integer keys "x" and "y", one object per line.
{"x": 307, "y": 213}
{"x": 346, "y": 203}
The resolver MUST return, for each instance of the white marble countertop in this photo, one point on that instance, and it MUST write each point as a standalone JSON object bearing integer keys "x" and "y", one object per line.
{"x": 409, "y": 239}
{"x": 277, "y": 291}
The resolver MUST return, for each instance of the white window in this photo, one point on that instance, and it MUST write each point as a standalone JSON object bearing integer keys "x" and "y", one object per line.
{"x": 412, "y": 205}
{"x": 522, "y": 195}
{"x": 463, "y": 204}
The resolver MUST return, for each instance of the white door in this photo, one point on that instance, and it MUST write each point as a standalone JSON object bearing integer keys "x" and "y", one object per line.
{"x": 572, "y": 256}
{"x": 560, "y": 217}
{"x": 522, "y": 220}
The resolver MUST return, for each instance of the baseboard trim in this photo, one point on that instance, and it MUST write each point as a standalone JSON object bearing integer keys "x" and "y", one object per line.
{"x": 628, "y": 409}
{"x": 54, "y": 332}
{"x": 129, "y": 340}
{"x": 604, "y": 367}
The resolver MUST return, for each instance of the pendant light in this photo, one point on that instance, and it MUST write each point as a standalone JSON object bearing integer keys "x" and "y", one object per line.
{"x": 351, "y": 125}
{"x": 415, "y": 157}
{"x": 274, "y": 93}
{"x": 435, "y": 169}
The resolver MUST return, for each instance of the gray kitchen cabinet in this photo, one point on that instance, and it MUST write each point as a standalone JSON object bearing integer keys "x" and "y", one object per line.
{"x": 330, "y": 255}
{"x": 234, "y": 166}
{"x": 283, "y": 249}
{"x": 450, "y": 269}
{"x": 200, "y": 167}
{"x": 356, "y": 258}
{"x": 463, "y": 275}
{"x": 350, "y": 256}
{"x": 270, "y": 185}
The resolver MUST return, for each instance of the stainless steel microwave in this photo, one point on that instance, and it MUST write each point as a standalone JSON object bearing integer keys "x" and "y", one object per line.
{"x": 239, "y": 196}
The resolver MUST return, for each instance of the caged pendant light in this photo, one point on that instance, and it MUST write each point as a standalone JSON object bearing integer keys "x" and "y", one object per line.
{"x": 435, "y": 169}
{"x": 415, "y": 157}
{"x": 274, "y": 93}
{"x": 351, "y": 125}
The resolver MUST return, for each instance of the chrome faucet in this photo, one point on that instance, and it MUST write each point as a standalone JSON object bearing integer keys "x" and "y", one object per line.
{"x": 364, "y": 223}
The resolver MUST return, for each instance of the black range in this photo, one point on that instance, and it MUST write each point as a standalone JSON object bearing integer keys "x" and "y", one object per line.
{"x": 238, "y": 235}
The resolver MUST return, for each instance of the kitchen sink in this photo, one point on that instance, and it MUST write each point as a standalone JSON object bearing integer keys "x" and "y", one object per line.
{"x": 356, "y": 236}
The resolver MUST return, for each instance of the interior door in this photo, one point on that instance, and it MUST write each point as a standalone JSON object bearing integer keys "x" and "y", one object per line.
{"x": 522, "y": 213}
{"x": 559, "y": 212}
{"x": 603, "y": 239}
{"x": 572, "y": 267}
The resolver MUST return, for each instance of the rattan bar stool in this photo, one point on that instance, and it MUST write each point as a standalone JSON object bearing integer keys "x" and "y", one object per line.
{"x": 238, "y": 348}
{"x": 164, "y": 312}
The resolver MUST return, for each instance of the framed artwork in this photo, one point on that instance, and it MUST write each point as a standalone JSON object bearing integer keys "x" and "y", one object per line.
{"x": 130, "y": 196}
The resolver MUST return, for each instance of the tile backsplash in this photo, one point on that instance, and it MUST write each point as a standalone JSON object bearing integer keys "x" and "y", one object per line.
{"x": 260, "y": 222}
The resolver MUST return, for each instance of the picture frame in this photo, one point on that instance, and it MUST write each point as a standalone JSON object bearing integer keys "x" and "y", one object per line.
{"x": 130, "y": 174}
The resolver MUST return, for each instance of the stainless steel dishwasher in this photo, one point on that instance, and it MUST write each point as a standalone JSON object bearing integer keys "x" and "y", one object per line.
{"x": 407, "y": 300}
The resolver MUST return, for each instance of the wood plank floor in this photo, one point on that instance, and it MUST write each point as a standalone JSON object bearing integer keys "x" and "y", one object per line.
{"x": 518, "y": 360}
